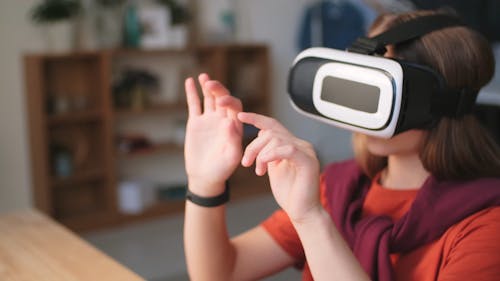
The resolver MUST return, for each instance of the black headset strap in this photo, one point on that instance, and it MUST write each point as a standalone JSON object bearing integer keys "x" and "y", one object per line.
{"x": 454, "y": 103}
{"x": 403, "y": 32}
{"x": 450, "y": 102}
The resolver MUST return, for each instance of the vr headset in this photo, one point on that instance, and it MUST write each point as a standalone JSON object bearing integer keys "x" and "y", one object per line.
{"x": 362, "y": 91}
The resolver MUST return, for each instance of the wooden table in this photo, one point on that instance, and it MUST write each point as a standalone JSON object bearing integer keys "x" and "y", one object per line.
{"x": 34, "y": 247}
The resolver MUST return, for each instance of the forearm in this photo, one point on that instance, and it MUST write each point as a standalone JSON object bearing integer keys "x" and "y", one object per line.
{"x": 328, "y": 255}
{"x": 209, "y": 254}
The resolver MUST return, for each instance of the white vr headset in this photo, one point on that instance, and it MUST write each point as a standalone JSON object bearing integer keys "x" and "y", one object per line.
{"x": 374, "y": 95}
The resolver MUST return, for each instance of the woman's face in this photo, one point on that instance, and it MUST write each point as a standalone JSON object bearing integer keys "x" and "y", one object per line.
{"x": 406, "y": 143}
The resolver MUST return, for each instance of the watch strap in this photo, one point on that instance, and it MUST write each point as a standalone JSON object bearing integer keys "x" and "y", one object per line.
{"x": 213, "y": 201}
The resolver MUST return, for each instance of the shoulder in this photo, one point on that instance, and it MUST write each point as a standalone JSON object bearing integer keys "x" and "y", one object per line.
{"x": 471, "y": 246}
{"x": 482, "y": 223}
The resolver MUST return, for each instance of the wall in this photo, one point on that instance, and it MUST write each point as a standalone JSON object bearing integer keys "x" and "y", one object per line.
{"x": 17, "y": 36}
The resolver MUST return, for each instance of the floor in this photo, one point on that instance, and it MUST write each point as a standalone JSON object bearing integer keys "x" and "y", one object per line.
{"x": 154, "y": 249}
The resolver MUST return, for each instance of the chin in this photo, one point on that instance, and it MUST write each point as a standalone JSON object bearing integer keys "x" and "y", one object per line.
{"x": 402, "y": 144}
{"x": 379, "y": 147}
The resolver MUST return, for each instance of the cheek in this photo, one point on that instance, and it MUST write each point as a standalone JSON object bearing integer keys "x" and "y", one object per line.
{"x": 405, "y": 143}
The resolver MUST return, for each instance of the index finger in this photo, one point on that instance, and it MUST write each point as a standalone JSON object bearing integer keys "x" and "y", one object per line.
{"x": 193, "y": 101}
{"x": 260, "y": 121}
{"x": 216, "y": 88}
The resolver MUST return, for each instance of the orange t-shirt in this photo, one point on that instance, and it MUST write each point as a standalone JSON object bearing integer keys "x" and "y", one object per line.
{"x": 468, "y": 250}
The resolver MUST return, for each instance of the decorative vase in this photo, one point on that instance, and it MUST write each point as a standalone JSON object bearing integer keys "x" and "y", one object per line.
{"x": 132, "y": 27}
{"x": 109, "y": 26}
{"x": 85, "y": 37}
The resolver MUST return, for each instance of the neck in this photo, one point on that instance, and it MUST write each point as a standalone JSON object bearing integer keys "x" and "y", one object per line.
{"x": 404, "y": 172}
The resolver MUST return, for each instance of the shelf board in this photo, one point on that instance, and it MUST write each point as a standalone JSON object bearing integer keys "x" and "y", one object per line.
{"x": 173, "y": 51}
{"x": 127, "y": 52}
{"x": 165, "y": 108}
{"x": 154, "y": 150}
{"x": 241, "y": 191}
{"x": 78, "y": 178}
{"x": 74, "y": 118}
{"x": 160, "y": 208}
{"x": 244, "y": 185}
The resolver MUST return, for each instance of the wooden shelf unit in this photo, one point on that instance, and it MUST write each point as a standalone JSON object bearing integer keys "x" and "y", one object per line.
{"x": 71, "y": 115}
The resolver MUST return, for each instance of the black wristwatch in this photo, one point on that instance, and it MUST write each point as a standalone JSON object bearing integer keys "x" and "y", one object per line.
{"x": 209, "y": 201}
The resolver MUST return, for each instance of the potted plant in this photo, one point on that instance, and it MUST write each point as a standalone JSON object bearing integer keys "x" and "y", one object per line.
{"x": 56, "y": 18}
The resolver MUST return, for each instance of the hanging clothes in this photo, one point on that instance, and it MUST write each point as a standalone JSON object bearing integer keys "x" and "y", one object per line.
{"x": 332, "y": 24}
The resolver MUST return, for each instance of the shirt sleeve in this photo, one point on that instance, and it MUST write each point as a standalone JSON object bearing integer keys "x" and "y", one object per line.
{"x": 281, "y": 229}
{"x": 475, "y": 251}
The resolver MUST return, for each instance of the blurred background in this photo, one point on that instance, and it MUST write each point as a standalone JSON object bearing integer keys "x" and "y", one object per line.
{"x": 92, "y": 109}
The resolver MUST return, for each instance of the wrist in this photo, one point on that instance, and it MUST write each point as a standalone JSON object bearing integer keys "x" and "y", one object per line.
{"x": 313, "y": 216}
{"x": 206, "y": 189}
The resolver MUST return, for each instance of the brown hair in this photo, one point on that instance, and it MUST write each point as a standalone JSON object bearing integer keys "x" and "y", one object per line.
{"x": 455, "y": 148}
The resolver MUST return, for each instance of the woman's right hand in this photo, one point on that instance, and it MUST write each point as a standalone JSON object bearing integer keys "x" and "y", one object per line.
{"x": 213, "y": 147}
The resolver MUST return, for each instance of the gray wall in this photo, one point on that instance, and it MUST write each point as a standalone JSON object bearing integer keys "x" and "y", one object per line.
{"x": 17, "y": 36}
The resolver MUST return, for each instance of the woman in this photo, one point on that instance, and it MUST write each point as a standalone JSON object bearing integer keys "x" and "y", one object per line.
{"x": 418, "y": 206}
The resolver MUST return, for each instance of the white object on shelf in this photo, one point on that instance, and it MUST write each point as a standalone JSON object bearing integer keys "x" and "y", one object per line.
{"x": 155, "y": 24}
{"x": 134, "y": 196}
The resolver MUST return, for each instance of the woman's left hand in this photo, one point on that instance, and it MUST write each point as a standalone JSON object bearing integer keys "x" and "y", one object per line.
{"x": 290, "y": 162}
